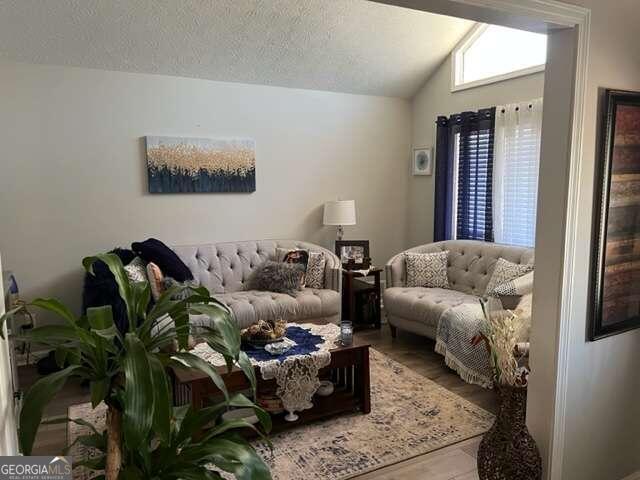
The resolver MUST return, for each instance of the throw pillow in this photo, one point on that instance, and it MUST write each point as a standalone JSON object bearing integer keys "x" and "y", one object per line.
{"x": 277, "y": 277}
{"x": 314, "y": 277}
{"x": 156, "y": 278}
{"x": 521, "y": 285}
{"x": 297, "y": 256}
{"x": 427, "y": 269}
{"x": 136, "y": 270}
{"x": 505, "y": 271}
{"x": 153, "y": 250}
{"x": 292, "y": 255}
{"x": 523, "y": 310}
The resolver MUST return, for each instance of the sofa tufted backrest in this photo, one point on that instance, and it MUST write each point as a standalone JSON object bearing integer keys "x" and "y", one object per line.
{"x": 225, "y": 267}
{"x": 470, "y": 262}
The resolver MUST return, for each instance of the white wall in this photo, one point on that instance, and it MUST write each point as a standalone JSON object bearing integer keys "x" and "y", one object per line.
{"x": 73, "y": 178}
{"x": 435, "y": 98}
{"x": 603, "y": 413}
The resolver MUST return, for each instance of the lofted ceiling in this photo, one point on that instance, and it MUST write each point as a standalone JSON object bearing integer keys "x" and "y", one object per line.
{"x": 352, "y": 46}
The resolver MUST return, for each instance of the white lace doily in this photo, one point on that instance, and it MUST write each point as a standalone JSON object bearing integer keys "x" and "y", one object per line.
{"x": 296, "y": 375}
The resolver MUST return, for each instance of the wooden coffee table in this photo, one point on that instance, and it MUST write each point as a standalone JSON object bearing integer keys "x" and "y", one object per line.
{"x": 348, "y": 370}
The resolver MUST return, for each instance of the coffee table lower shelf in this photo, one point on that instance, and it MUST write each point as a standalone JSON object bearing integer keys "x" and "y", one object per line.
{"x": 348, "y": 371}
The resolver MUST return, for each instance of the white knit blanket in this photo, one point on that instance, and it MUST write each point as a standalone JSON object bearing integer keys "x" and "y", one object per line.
{"x": 456, "y": 328}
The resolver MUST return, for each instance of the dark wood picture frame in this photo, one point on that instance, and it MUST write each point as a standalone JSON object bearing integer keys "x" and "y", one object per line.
{"x": 615, "y": 260}
{"x": 353, "y": 264}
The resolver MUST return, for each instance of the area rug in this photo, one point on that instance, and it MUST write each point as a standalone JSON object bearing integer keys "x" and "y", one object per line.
{"x": 410, "y": 416}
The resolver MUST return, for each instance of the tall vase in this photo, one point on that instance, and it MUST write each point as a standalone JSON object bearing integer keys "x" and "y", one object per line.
{"x": 508, "y": 451}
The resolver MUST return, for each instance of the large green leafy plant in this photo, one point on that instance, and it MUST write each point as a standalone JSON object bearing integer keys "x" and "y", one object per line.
{"x": 145, "y": 436}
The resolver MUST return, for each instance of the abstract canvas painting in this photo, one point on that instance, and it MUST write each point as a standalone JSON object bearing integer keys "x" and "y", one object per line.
{"x": 616, "y": 260}
{"x": 200, "y": 165}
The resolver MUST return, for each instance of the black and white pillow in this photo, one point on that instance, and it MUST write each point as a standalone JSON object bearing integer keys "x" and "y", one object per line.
{"x": 506, "y": 271}
{"x": 427, "y": 269}
{"x": 315, "y": 270}
{"x": 312, "y": 262}
{"x": 522, "y": 285}
{"x": 136, "y": 270}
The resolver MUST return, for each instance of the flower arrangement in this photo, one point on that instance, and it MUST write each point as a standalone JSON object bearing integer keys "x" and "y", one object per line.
{"x": 501, "y": 333}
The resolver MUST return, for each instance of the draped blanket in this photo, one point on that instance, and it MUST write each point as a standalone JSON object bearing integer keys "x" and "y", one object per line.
{"x": 456, "y": 329}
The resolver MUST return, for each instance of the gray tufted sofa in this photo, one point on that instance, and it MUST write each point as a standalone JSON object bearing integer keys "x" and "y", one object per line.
{"x": 225, "y": 267}
{"x": 470, "y": 266}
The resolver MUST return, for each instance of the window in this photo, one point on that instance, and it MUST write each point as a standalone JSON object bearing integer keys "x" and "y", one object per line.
{"x": 464, "y": 168}
{"x": 516, "y": 165}
{"x": 491, "y": 53}
{"x": 486, "y": 181}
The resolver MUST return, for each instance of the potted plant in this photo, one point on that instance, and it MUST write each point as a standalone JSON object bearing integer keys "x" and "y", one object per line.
{"x": 145, "y": 436}
{"x": 507, "y": 450}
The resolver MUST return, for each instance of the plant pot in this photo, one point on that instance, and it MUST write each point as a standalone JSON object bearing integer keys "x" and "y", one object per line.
{"x": 508, "y": 451}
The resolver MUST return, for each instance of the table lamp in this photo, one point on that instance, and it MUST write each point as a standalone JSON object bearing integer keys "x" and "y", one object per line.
{"x": 340, "y": 213}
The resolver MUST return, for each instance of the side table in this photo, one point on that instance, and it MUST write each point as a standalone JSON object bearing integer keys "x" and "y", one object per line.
{"x": 357, "y": 293}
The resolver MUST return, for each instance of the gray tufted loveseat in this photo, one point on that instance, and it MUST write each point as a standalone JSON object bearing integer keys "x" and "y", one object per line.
{"x": 225, "y": 267}
{"x": 470, "y": 266}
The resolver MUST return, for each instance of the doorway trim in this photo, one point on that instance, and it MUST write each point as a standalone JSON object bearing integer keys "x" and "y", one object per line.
{"x": 577, "y": 17}
{"x": 535, "y": 15}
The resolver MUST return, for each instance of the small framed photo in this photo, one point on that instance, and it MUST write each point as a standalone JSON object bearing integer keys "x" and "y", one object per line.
{"x": 422, "y": 163}
{"x": 354, "y": 254}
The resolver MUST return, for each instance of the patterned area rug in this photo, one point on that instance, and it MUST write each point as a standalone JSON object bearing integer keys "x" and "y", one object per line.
{"x": 410, "y": 416}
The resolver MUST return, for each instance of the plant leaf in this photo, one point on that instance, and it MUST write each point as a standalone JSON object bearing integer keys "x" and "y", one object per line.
{"x": 61, "y": 356}
{"x": 57, "y": 307}
{"x": 35, "y": 400}
{"x": 100, "y": 318}
{"x": 237, "y": 458}
{"x": 53, "y": 334}
{"x": 240, "y": 401}
{"x": 230, "y": 425}
{"x": 244, "y": 362}
{"x": 99, "y": 390}
{"x": 180, "y": 317}
{"x": 6, "y": 316}
{"x": 77, "y": 421}
{"x": 101, "y": 322}
{"x": 223, "y": 325}
{"x": 182, "y": 359}
{"x": 162, "y": 409}
{"x": 124, "y": 287}
{"x": 130, "y": 473}
{"x": 138, "y": 392}
{"x": 142, "y": 294}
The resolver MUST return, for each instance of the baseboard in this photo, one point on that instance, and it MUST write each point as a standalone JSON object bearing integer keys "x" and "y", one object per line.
{"x": 633, "y": 476}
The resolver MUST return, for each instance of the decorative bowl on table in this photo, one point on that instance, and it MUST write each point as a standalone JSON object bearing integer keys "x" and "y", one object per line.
{"x": 264, "y": 332}
{"x": 280, "y": 347}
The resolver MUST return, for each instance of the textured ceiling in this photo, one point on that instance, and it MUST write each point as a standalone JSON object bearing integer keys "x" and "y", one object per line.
{"x": 351, "y": 46}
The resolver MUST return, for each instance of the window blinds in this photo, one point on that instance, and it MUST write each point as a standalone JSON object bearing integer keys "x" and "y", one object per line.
{"x": 474, "y": 215}
{"x": 515, "y": 176}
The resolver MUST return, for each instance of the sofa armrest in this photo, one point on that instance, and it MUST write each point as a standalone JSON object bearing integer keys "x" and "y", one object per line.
{"x": 332, "y": 272}
{"x": 395, "y": 271}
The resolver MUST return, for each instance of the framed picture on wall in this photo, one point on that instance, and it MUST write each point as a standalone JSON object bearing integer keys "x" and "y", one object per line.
{"x": 615, "y": 269}
{"x": 422, "y": 162}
